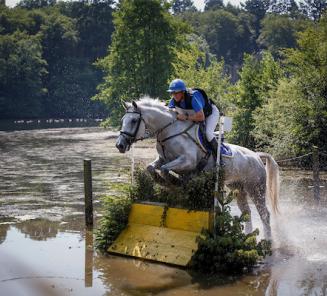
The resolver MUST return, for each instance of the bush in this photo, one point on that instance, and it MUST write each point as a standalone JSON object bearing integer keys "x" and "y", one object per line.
{"x": 113, "y": 222}
{"x": 231, "y": 251}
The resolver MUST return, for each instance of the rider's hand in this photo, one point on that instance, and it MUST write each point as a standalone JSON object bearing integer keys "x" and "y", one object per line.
{"x": 182, "y": 117}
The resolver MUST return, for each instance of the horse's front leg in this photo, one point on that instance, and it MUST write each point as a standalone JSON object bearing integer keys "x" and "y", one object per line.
{"x": 180, "y": 164}
{"x": 156, "y": 164}
{"x": 152, "y": 169}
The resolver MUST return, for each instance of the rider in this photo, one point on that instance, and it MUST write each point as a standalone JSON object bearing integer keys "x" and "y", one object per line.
{"x": 192, "y": 99}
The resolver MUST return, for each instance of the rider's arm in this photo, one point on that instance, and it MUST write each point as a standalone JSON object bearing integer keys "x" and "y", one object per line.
{"x": 197, "y": 117}
{"x": 198, "y": 105}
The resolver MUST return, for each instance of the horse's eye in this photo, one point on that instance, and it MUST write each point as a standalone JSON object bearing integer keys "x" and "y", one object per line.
{"x": 134, "y": 121}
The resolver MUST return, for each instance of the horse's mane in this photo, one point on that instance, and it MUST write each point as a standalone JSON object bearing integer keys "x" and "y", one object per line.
{"x": 152, "y": 103}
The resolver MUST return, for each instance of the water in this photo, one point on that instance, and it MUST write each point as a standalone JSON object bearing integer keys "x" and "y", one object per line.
{"x": 45, "y": 250}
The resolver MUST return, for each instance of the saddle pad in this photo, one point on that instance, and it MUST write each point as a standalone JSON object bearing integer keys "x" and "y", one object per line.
{"x": 225, "y": 150}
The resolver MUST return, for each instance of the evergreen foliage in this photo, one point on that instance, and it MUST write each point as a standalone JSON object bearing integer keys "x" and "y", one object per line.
{"x": 295, "y": 115}
{"x": 115, "y": 218}
{"x": 256, "y": 79}
{"x": 48, "y": 50}
{"x": 231, "y": 251}
{"x": 180, "y": 6}
{"x": 198, "y": 68}
{"x": 313, "y": 9}
{"x": 53, "y": 76}
{"x": 196, "y": 194}
{"x": 279, "y": 32}
{"x": 140, "y": 56}
{"x": 22, "y": 71}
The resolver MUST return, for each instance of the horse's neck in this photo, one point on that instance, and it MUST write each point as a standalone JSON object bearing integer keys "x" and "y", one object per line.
{"x": 156, "y": 119}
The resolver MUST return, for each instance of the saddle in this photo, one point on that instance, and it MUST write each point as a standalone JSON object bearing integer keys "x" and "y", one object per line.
{"x": 205, "y": 145}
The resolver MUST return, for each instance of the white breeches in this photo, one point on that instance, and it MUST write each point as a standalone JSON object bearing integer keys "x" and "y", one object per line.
{"x": 211, "y": 123}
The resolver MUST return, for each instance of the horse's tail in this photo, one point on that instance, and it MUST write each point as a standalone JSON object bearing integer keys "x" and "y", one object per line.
{"x": 272, "y": 170}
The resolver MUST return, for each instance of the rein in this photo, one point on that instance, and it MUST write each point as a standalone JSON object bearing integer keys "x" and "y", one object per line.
{"x": 131, "y": 136}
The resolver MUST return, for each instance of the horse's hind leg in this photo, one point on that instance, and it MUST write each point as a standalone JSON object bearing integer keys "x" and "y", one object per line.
{"x": 243, "y": 205}
{"x": 258, "y": 195}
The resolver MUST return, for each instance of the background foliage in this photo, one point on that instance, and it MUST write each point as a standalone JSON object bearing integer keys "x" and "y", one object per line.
{"x": 264, "y": 63}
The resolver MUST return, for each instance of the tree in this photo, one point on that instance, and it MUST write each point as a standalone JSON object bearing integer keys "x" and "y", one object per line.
{"x": 32, "y": 4}
{"x": 141, "y": 53}
{"x": 198, "y": 68}
{"x": 284, "y": 7}
{"x": 277, "y": 123}
{"x": 313, "y": 8}
{"x": 94, "y": 25}
{"x": 308, "y": 64}
{"x": 279, "y": 31}
{"x": 21, "y": 72}
{"x": 295, "y": 116}
{"x": 213, "y": 4}
{"x": 257, "y": 8}
{"x": 257, "y": 78}
{"x": 180, "y": 6}
{"x": 228, "y": 35}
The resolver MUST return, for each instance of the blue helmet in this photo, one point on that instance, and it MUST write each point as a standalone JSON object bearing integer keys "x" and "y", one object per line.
{"x": 177, "y": 85}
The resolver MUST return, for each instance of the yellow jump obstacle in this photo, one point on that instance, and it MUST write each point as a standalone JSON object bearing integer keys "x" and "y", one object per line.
{"x": 156, "y": 232}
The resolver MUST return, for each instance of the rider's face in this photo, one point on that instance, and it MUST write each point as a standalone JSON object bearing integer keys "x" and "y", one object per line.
{"x": 178, "y": 96}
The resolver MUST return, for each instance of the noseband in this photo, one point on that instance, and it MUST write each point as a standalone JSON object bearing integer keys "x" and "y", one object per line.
{"x": 131, "y": 136}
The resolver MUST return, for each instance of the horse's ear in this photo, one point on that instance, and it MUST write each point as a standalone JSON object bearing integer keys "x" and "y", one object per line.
{"x": 134, "y": 104}
{"x": 126, "y": 105}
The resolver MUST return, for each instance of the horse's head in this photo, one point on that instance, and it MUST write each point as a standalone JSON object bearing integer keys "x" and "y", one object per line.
{"x": 132, "y": 129}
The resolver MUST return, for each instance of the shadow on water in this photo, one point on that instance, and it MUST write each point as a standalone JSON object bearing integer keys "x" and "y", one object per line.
{"x": 45, "y": 250}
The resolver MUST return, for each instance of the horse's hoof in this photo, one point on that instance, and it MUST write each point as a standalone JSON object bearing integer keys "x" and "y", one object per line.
{"x": 164, "y": 171}
{"x": 151, "y": 169}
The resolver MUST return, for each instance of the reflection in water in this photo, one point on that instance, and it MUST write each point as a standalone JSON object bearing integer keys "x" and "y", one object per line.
{"x": 39, "y": 229}
{"x": 3, "y": 233}
{"x": 88, "y": 258}
{"x": 136, "y": 277}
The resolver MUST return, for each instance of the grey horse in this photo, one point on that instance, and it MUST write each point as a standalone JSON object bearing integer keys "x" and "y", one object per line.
{"x": 179, "y": 152}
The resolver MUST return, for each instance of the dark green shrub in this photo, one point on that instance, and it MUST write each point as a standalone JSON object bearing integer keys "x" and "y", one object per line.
{"x": 114, "y": 220}
{"x": 231, "y": 250}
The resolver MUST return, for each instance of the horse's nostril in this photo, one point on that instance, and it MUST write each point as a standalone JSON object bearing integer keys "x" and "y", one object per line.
{"x": 120, "y": 146}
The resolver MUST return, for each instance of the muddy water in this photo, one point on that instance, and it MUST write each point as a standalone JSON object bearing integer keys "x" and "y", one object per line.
{"x": 45, "y": 250}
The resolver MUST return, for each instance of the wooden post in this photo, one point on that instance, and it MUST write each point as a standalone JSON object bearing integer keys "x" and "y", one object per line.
{"x": 315, "y": 168}
{"x": 88, "y": 193}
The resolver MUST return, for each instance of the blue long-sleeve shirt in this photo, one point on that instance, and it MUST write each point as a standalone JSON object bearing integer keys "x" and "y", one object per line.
{"x": 198, "y": 102}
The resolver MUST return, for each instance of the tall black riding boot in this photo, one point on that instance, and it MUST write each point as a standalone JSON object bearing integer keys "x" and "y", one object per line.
{"x": 214, "y": 147}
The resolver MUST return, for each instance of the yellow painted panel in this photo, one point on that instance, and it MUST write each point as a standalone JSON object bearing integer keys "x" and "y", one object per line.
{"x": 154, "y": 234}
{"x": 156, "y": 243}
{"x": 187, "y": 220}
{"x": 146, "y": 214}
